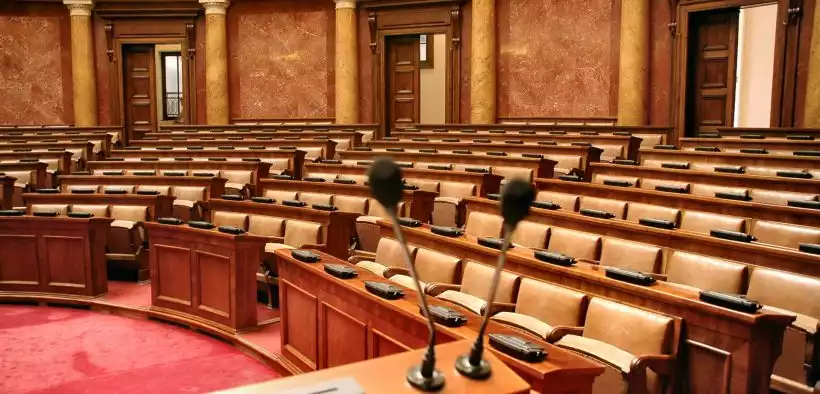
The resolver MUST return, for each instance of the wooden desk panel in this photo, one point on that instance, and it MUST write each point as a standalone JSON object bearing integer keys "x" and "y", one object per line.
{"x": 745, "y": 143}
{"x": 158, "y": 206}
{"x": 737, "y": 159}
{"x": 7, "y": 192}
{"x": 353, "y": 325}
{"x": 53, "y": 255}
{"x": 87, "y": 148}
{"x": 205, "y": 274}
{"x": 328, "y": 146}
{"x": 768, "y": 131}
{"x": 296, "y": 159}
{"x": 63, "y": 158}
{"x": 104, "y": 139}
{"x": 353, "y": 138}
{"x": 214, "y": 186}
{"x": 728, "y": 351}
{"x": 276, "y": 124}
{"x": 261, "y": 170}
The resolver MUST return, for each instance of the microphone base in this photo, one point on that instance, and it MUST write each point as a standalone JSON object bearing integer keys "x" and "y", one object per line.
{"x": 482, "y": 371}
{"x": 417, "y": 380}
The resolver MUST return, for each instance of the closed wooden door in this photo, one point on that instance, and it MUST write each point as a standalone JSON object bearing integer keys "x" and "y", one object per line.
{"x": 139, "y": 90}
{"x": 712, "y": 70}
{"x": 402, "y": 81}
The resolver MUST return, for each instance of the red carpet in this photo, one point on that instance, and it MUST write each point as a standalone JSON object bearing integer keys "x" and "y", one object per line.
{"x": 61, "y": 350}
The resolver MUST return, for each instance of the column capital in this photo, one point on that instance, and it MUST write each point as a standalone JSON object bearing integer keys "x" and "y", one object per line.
{"x": 79, "y": 7}
{"x": 215, "y": 6}
{"x": 343, "y": 4}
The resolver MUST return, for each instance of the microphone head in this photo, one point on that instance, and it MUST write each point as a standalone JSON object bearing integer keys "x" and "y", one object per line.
{"x": 385, "y": 180}
{"x": 516, "y": 199}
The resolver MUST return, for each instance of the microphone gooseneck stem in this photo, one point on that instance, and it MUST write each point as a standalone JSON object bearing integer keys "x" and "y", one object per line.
{"x": 429, "y": 361}
{"x": 477, "y": 350}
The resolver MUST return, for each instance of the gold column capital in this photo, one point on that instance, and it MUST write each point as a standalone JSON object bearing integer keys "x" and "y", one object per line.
{"x": 215, "y": 6}
{"x": 344, "y": 4}
{"x": 79, "y": 7}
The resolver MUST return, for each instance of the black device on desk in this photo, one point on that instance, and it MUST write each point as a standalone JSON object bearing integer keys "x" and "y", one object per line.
{"x": 171, "y": 221}
{"x": 341, "y": 271}
{"x": 631, "y": 276}
{"x": 729, "y": 301}
{"x": 446, "y": 316}
{"x": 518, "y": 347}
{"x": 732, "y": 235}
{"x": 200, "y": 224}
{"x": 231, "y": 230}
{"x": 410, "y": 222}
{"x": 305, "y": 256}
{"x": 384, "y": 290}
{"x": 446, "y": 231}
{"x": 492, "y": 242}
{"x": 554, "y": 258}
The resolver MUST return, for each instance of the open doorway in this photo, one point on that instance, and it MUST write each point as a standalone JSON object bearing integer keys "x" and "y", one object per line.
{"x": 169, "y": 84}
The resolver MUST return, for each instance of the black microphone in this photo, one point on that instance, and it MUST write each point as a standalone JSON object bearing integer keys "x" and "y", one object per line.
{"x": 516, "y": 199}
{"x": 386, "y": 186}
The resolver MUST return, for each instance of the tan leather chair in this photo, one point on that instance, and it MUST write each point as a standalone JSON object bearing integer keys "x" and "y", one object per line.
{"x": 188, "y": 202}
{"x": 531, "y": 235}
{"x": 567, "y": 163}
{"x": 374, "y": 208}
{"x": 568, "y": 202}
{"x": 474, "y": 289}
{"x": 652, "y": 183}
{"x": 327, "y": 177}
{"x": 281, "y": 195}
{"x": 127, "y": 235}
{"x": 778, "y": 197}
{"x": 602, "y": 178}
{"x": 368, "y": 232}
{"x": 299, "y": 234}
{"x": 705, "y": 273}
{"x": 388, "y": 254}
{"x": 632, "y": 255}
{"x": 785, "y": 235}
{"x": 22, "y": 184}
{"x": 61, "y": 209}
{"x": 238, "y": 181}
{"x": 575, "y": 244}
{"x": 266, "y": 226}
{"x": 433, "y": 267}
{"x": 71, "y": 188}
{"x": 649, "y": 140}
{"x": 633, "y": 344}
{"x": 768, "y": 171}
{"x": 100, "y": 211}
{"x": 313, "y": 153}
{"x": 547, "y": 311}
{"x": 796, "y": 368}
{"x": 162, "y": 190}
{"x": 351, "y": 203}
{"x": 424, "y": 184}
{"x": 277, "y": 166}
{"x": 447, "y": 208}
{"x": 129, "y": 189}
{"x": 704, "y": 190}
{"x": 704, "y": 222}
{"x": 510, "y": 173}
{"x": 316, "y": 198}
{"x": 637, "y": 211}
{"x": 480, "y": 224}
{"x": 611, "y": 152}
{"x": 615, "y": 207}
{"x": 234, "y": 219}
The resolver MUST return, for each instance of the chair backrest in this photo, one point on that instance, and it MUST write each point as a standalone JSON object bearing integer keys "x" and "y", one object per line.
{"x": 132, "y": 213}
{"x": 235, "y": 219}
{"x": 554, "y": 305}
{"x": 389, "y": 253}
{"x": 281, "y": 195}
{"x": 778, "y": 197}
{"x": 237, "y": 176}
{"x": 568, "y": 202}
{"x": 351, "y": 203}
{"x": 71, "y": 188}
{"x": 480, "y": 224}
{"x": 615, "y": 207}
{"x": 374, "y": 208}
{"x": 435, "y": 267}
{"x": 704, "y": 222}
{"x": 768, "y": 171}
{"x": 22, "y": 176}
{"x": 633, "y": 255}
{"x": 457, "y": 189}
{"x": 313, "y": 152}
{"x": 316, "y": 198}
{"x": 567, "y": 161}
{"x": 326, "y": 176}
{"x": 785, "y": 290}
{"x": 128, "y": 188}
{"x": 510, "y": 173}
{"x": 100, "y": 211}
{"x": 190, "y": 193}
{"x": 786, "y": 235}
{"x": 700, "y": 189}
{"x": 705, "y": 167}
{"x": 477, "y": 278}
{"x": 266, "y": 226}
{"x": 278, "y": 165}
{"x": 299, "y": 233}
{"x": 638, "y": 211}
{"x": 652, "y": 183}
{"x": 61, "y": 209}
{"x": 633, "y": 330}
{"x": 424, "y": 184}
{"x": 602, "y": 178}
{"x": 531, "y": 234}
{"x": 162, "y": 190}
{"x": 706, "y": 273}
{"x": 573, "y": 243}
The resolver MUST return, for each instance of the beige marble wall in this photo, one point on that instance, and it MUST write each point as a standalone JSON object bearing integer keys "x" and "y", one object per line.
{"x": 811, "y": 116}
{"x": 633, "y": 75}
{"x": 347, "y": 67}
{"x": 217, "y": 102}
{"x": 483, "y": 63}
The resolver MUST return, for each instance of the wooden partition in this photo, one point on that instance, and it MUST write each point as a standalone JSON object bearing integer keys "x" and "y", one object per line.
{"x": 777, "y": 132}
{"x": 353, "y": 138}
{"x": 53, "y": 255}
{"x": 327, "y": 146}
{"x": 38, "y": 181}
{"x": 7, "y": 192}
{"x": 158, "y": 206}
{"x": 116, "y": 132}
{"x": 296, "y": 159}
{"x": 276, "y": 124}
{"x": 205, "y": 275}
{"x": 87, "y": 148}
{"x": 101, "y": 141}
{"x": 724, "y": 351}
{"x": 214, "y": 186}
{"x": 327, "y": 322}
{"x": 260, "y": 169}
{"x": 737, "y": 159}
{"x": 62, "y": 157}
{"x": 776, "y": 146}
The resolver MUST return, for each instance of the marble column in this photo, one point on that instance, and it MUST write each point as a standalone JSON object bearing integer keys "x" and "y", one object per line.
{"x": 347, "y": 63}
{"x": 633, "y": 75}
{"x": 811, "y": 117}
{"x": 82, "y": 62}
{"x": 216, "y": 61}
{"x": 483, "y": 63}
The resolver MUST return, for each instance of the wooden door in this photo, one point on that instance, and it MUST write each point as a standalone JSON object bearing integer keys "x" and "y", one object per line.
{"x": 139, "y": 90}
{"x": 712, "y": 70}
{"x": 402, "y": 81}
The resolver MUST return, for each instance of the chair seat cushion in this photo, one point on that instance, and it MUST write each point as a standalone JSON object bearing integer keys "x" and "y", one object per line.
{"x": 271, "y": 247}
{"x": 373, "y": 267}
{"x": 598, "y": 350}
{"x": 448, "y": 200}
{"x": 126, "y": 224}
{"x": 408, "y": 282}
{"x": 524, "y": 322}
{"x": 465, "y": 300}
{"x": 369, "y": 219}
{"x": 185, "y": 203}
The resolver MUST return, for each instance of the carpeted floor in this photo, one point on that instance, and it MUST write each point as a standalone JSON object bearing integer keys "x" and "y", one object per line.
{"x": 61, "y": 350}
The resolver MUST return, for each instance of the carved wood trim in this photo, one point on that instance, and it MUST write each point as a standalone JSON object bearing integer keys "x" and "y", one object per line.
{"x": 190, "y": 35}
{"x": 109, "y": 41}
{"x": 374, "y": 29}
{"x": 455, "y": 22}
{"x": 719, "y": 355}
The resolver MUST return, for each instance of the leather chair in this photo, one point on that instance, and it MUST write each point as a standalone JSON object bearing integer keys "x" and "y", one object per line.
{"x": 778, "y": 197}
{"x": 649, "y": 140}
{"x": 652, "y": 183}
{"x": 424, "y": 184}
{"x": 638, "y": 211}
{"x": 162, "y": 190}
{"x": 602, "y": 178}
{"x": 699, "y": 189}
{"x": 21, "y": 185}
{"x": 188, "y": 202}
{"x": 299, "y": 234}
{"x": 531, "y": 235}
{"x": 796, "y": 370}
{"x": 327, "y": 177}
{"x": 126, "y": 239}
{"x": 768, "y": 171}
{"x": 374, "y": 208}
{"x": 615, "y": 207}
{"x": 704, "y": 222}
{"x": 566, "y": 164}
{"x": 785, "y": 235}
{"x": 480, "y": 224}
{"x": 448, "y": 209}
{"x": 266, "y": 226}
{"x": 267, "y": 276}
{"x": 631, "y": 255}
{"x": 368, "y": 232}
{"x": 351, "y": 203}
{"x": 575, "y": 244}
{"x": 611, "y": 152}
{"x": 278, "y": 166}
{"x": 316, "y": 198}
{"x": 238, "y": 182}
{"x": 432, "y": 267}
{"x": 234, "y": 219}
{"x": 388, "y": 254}
{"x": 634, "y": 345}
{"x": 61, "y": 209}
{"x": 281, "y": 195}
{"x": 474, "y": 289}
{"x": 510, "y": 173}
{"x": 547, "y": 311}
{"x": 568, "y": 202}
{"x": 705, "y": 273}
{"x": 313, "y": 153}
{"x": 100, "y": 211}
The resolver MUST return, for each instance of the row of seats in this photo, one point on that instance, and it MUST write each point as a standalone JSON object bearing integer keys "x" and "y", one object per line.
{"x": 188, "y": 205}
{"x": 238, "y": 181}
{"x": 311, "y": 153}
{"x": 504, "y": 171}
{"x": 648, "y": 139}
{"x": 281, "y": 232}
{"x": 732, "y": 169}
{"x": 361, "y": 205}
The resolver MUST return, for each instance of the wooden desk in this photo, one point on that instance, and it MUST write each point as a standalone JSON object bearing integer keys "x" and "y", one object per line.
{"x": 735, "y": 144}
{"x": 353, "y": 139}
{"x": 277, "y": 124}
{"x": 260, "y": 170}
{"x": 328, "y": 322}
{"x": 781, "y": 132}
{"x": 727, "y": 351}
{"x": 62, "y": 157}
{"x": 736, "y": 159}
{"x": 102, "y": 141}
{"x": 420, "y": 202}
{"x": 214, "y": 186}
{"x": 7, "y": 192}
{"x": 205, "y": 274}
{"x": 392, "y": 375}
{"x": 158, "y": 206}
{"x": 296, "y": 158}
{"x": 116, "y": 132}
{"x": 328, "y": 146}
{"x": 86, "y": 148}
{"x": 53, "y": 255}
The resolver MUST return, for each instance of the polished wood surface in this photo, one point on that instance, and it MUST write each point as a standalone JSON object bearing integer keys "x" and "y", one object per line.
{"x": 420, "y": 202}
{"x": 53, "y": 255}
{"x": 749, "y": 253}
{"x": 328, "y": 146}
{"x": 260, "y": 169}
{"x": 746, "y": 209}
{"x": 338, "y": 228}
{"x": 329, "y": 322}
{"x": 781, "y": 132}
{"x": 38, "y": 181}
{"x": 139, "y": 90}
{"x": 726, "y": 351}
{"x": 738, "y": 159}
{"x": 6, "y": 192}
{"x": 748, "y": 143}
{"x": 569, "y": 126}
{"x": 214, "y": 186}
{"x": 296, "y": 158}
{"x": 87, "y": 148}
{"x": 104, "y": 139}
{"x": 392, "y": 375}
{"x": 288, "y": 124}
{"x": 205, "y": 274}
{"x": 192, "y": 136}
{"x": 158, "y": 206}
{"x": 63, "y": 158}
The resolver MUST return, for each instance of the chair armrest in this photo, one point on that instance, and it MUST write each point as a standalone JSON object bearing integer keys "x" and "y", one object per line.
{"x": 390, "y": 271}
{"x": 276, "y": 240}
{"x": 499, "y": 307}
{"x": 434, "y": 289}
{"x": 661, "y": 277}
{"x": 320, "y": 248}
{"x": 360, "y": 255}
{"x": 663, "y": 364}
{"x": 559, "y": 332}
{"x": 587, "y": 261}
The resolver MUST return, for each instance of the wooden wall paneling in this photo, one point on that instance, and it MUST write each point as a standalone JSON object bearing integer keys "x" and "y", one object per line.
{"x": 343, "y": 338}
{"x": 173, "y": 267}
{"x": 19, "y": 266}
{"x": 300, "y": 332}
{"x": 381, "y": 345}
{"x": 213, "y": 292}
{"x": 710, "y": 362}
{"x": 64, "y": 257}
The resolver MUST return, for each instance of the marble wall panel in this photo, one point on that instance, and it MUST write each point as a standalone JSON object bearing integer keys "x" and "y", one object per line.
{"x": 660, "y": 93}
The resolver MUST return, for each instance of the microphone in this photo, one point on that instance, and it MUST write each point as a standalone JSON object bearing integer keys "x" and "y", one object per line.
{"x": 516, "y": 199}
{"x": 385, "y": 178}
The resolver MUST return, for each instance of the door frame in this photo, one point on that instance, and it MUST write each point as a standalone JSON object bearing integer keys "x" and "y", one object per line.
{"x": 385, "y": 38}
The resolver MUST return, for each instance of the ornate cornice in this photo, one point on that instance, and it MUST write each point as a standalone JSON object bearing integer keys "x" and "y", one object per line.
{"x": 345, "y": 4}
{"x": 215, "y": 6}
{"x": 79, "y": 7}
